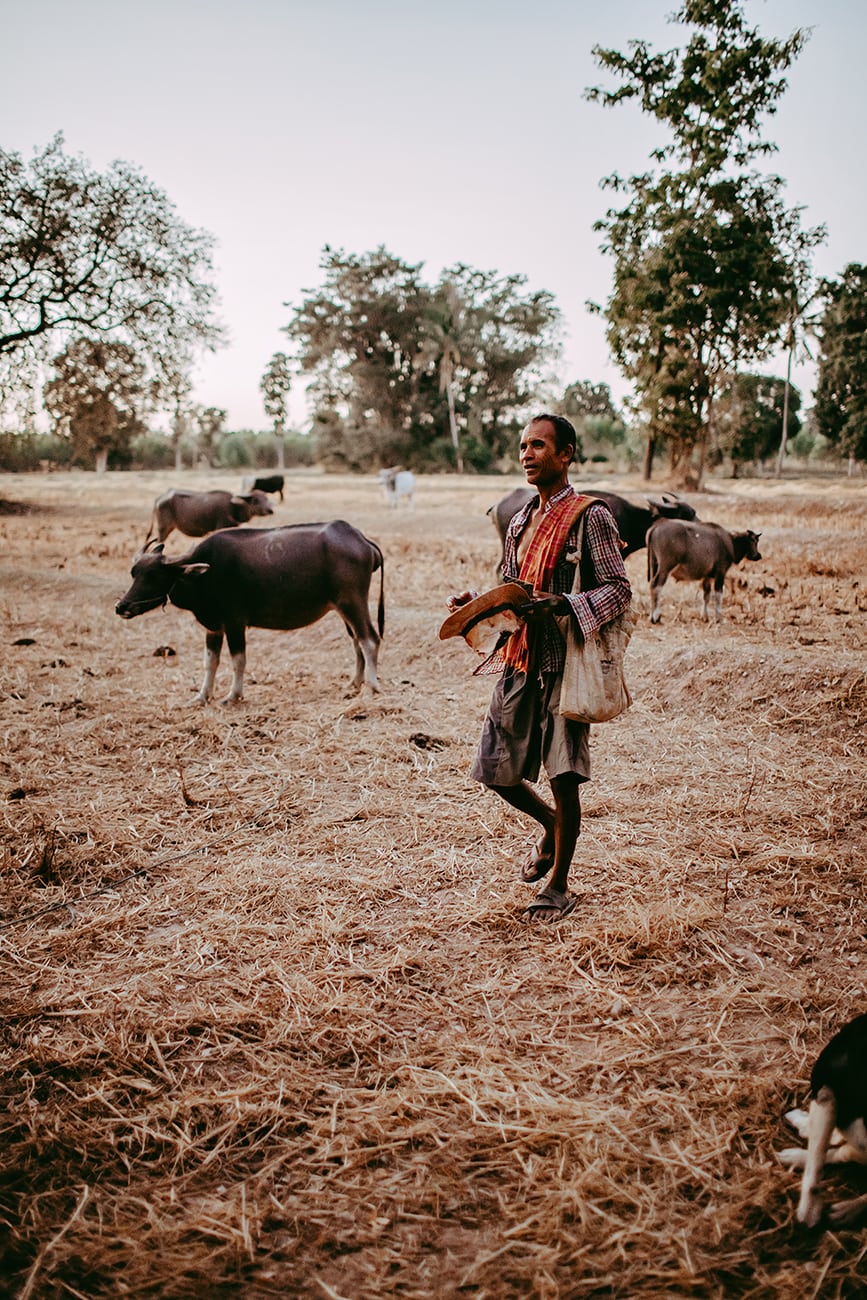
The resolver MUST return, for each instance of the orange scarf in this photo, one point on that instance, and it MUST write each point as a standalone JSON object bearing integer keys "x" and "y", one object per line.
{"x": 538, "y": 565}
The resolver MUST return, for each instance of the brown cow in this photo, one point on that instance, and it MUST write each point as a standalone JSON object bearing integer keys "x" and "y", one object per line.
{"x": 199, "y": 513}
{"x": 701, "y": 552}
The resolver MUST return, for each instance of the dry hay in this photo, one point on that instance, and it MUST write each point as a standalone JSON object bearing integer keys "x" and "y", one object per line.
{"x": 272, "y": 1024}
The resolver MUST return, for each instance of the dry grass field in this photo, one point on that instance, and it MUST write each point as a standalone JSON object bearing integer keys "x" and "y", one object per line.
{"x": 272, "y": 1024}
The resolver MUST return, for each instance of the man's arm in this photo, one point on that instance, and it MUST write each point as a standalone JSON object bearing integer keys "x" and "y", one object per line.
{"x": 612, "y": 594}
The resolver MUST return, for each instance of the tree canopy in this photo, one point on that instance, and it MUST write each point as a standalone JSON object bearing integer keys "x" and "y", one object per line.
{"x": 97, "y": 395}
{"x": 405, "y": 371}
{"x": 704, "y": 248}
{"x": 841, "y": 394}
{"x": 103, "y": 256}
{"x": 748, "y": 415}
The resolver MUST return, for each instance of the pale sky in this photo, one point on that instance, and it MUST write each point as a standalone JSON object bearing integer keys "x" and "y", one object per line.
{"x": 448, "y": 132}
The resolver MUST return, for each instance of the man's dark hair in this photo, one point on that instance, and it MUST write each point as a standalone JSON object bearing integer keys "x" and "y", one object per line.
{"x": 564, "y": 432}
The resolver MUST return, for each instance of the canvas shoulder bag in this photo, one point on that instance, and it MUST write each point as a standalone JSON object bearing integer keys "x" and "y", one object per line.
{"x": 594, "y": 688}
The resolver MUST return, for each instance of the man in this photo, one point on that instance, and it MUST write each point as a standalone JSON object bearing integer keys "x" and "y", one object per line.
{"x": 523, "y": 729}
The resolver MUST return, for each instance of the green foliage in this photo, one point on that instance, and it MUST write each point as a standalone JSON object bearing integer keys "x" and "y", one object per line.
{"x": 748, "y": 417}
{"x": 600, "y": 428}
{"x": 151, "y": 451}
{"x": 209, "y": 430}
{"x": 405, "y": 372}
{"x": 21, "y": 453}
{"x": 841, "y": 395}
{"x": 708, "y": 262}
{"x": 102, "y": 255}
{"x": 96, "y": 396}
{"x": 275, "y": 386}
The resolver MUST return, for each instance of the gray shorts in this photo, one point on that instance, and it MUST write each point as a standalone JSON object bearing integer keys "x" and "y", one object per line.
{"x": 523, "y": 731}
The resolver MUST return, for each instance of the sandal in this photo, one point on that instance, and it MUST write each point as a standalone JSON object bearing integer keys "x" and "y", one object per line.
{"x": 552, "y": 900}
{"x": 537, "y": 866}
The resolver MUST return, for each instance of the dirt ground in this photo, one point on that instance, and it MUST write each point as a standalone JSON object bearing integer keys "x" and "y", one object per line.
{"x": 272, "y": 1023}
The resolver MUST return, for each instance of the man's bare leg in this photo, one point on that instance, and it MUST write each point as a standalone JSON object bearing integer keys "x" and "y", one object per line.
{"x": 561, "y": 824}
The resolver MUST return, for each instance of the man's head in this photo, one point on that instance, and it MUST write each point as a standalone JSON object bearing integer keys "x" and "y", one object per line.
{"x": 547, "y": 448}
{"x": 564, "y": 431}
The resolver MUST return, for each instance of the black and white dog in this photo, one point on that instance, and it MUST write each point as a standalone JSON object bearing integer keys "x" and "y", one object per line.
{"x": 835, "y": 1124}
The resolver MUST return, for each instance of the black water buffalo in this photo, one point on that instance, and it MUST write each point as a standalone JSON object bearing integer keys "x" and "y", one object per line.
{"x": 694, "y": 551}
{"x": 632, "y": 521}
{"x": 278, "y": 578}
{"x": 265, "y": 483}
{"x": 198, "y": 513}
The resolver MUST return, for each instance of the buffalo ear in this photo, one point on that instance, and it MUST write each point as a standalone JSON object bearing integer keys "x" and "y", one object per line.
{"x": 193, "y": 570}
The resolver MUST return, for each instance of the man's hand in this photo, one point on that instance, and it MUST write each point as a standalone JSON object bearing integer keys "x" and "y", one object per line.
{"x": 464, "y": 597}
{"x": 541, "y": 606}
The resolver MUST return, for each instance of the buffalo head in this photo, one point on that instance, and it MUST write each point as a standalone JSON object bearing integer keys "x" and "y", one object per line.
{"x": 670, "y": 506}
{"x": 153, "y": 577}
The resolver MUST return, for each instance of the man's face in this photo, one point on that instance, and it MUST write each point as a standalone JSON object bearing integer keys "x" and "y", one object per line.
{"x": 542, "y": 463}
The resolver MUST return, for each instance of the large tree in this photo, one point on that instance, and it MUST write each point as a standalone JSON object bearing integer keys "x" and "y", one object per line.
{"x": 102, "y": 255}
{"x": 749, "y": 415}
{"x": 404, "y": 371}
{"x": 703, "y": 275}
{"x": 97, "y": 396}
{"x": 841, "y": 395}
{"x": 275, "y": 386}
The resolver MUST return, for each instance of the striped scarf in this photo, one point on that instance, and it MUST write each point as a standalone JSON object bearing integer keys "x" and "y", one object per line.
{"x": 538, "y": 565}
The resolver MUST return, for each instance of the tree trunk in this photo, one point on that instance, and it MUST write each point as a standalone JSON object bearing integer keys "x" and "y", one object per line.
{"x": 281, "y": 446}
{"x": 649, "y": 452}
{"x": 101, "y": 460}
{"x": 785, "y": 435}
{"x": 453, "y": 426}
{"x": 179, "y": 460}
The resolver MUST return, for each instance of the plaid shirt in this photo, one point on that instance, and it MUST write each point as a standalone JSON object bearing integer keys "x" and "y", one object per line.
{"x": 609, "y": 596}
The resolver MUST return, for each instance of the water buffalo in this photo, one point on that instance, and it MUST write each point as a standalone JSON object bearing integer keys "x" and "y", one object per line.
{"x": 278, "y": 578}
{"x": 694, "y": 551}
{"x": 265, "y": 483}
{"x": 836, "y": 1125}
{"x": 397, "y": 483}
{"x": 632, "y": 521}
{"x": 198, "y": 513}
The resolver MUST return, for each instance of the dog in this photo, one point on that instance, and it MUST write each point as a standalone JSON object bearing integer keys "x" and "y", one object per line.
{"x": 835, "y": 1124}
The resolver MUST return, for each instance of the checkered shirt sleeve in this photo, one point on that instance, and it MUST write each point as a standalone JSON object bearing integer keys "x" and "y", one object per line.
{"x": 592, "y": 609}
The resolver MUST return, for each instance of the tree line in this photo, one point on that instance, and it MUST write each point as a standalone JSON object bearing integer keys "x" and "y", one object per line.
{"x": 107, "y": 298}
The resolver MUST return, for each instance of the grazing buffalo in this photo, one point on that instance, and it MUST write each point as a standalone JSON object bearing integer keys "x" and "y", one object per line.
{"x": 266, "y": 577}
{"x": 693, "y": 551}
{"x": 198, "y": 513}
{"x": 632, "y": 521}
{"x": 835, "y": 1126}
{"x": 397, "y": 483}
{"x": 265, "y": 483}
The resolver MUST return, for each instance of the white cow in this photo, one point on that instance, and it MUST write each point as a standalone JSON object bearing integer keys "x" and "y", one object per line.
{"x": 397, "y": 483}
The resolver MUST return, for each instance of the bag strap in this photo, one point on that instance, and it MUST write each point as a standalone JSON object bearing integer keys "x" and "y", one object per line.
{"x": 579, "y": 547}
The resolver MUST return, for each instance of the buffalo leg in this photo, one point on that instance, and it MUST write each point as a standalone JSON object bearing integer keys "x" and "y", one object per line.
{"x": 718, "y": 595}
{"x": 823, "y": 1114}
{"x": 213, "y": 646}
{"x": 655, "y": 601}
{"x": 705, "y": 586}
{"x": 366, "y": 641}
{"x": 237, "y": 640}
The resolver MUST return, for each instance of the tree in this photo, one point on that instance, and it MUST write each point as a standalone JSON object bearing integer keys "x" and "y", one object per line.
{"x": 801, "y": 316}
{"x": 841, "y": 394}
{"x": 703, "y": 272}
{"x": 402, "y": 371}
{"x": 101, "y": 255}
{"x": 98, "y": 393}
{"x": 749, "y": 416}
{"x": 209, "y": 424}
{"x": 275, "y": 386}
